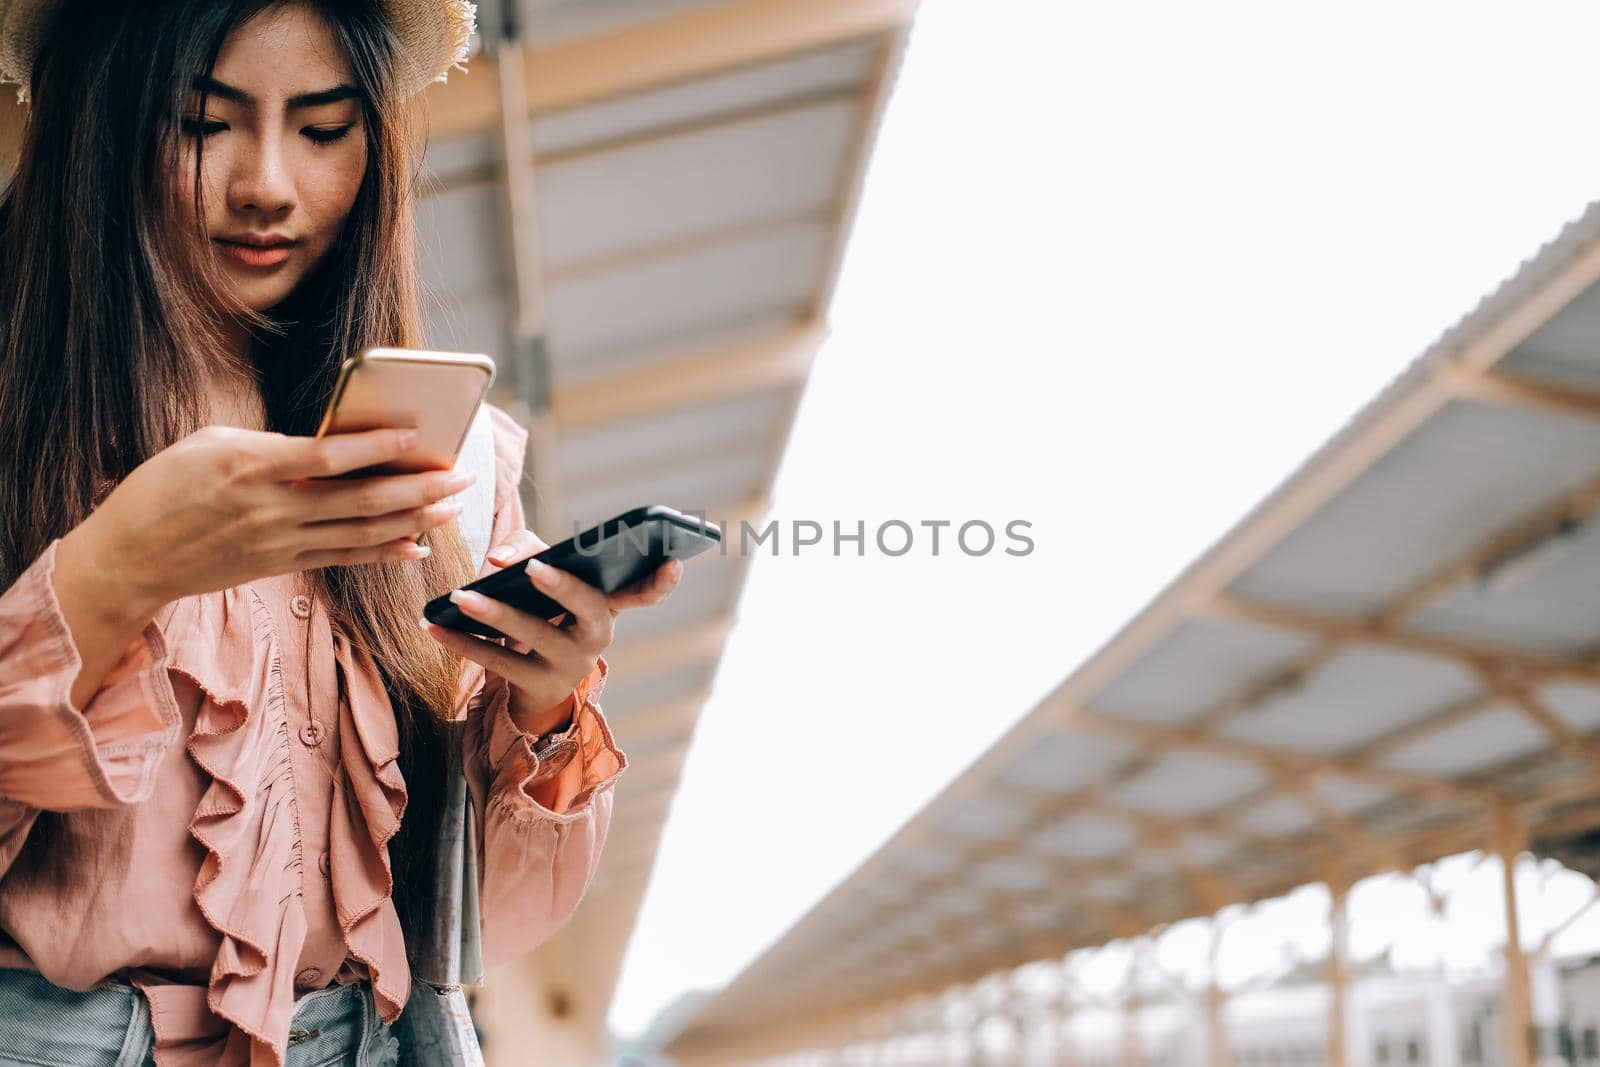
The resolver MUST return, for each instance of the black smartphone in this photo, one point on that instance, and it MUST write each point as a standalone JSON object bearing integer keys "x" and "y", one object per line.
{"x": 610, "y": 556}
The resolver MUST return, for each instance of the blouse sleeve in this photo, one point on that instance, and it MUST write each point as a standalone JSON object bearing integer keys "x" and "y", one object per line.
{"x": 544, "y": 816}
{"x": 54, "y": 755}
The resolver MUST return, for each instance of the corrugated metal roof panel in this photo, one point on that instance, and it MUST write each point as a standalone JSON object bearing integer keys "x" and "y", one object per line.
{"x": 655, "y": 192}
{"x": 1446, "y": 488}
{"x": 807, "y": 76}
{"x": 1358, "y": 696}
{"x": 1200, "y": 663}
{"x": 690, "y": 293}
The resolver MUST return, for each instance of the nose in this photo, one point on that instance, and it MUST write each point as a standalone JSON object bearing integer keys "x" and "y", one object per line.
{"x": 260, "y": 180}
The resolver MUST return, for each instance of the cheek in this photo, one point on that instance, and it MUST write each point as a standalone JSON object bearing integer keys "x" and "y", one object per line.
{"x": 332, "y": 185}
{"x": 210, "y": 192}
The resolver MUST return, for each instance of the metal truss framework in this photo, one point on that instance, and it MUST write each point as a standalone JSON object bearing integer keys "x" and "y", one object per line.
{"x": 1475, "y": 813}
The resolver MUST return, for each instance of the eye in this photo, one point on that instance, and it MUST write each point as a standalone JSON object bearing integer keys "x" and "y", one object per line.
{"x": 196, "y": 126}
{"x": 327, "y": 134}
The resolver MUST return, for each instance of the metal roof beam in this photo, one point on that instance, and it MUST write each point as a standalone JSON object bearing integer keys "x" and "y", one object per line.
{"x": 780, "y": 360}
{"x": 1347, "y": 631}
{"x": 1290, "y": 762}
{"x": 695, "y": 43}
{"x": 1567, "y": 738}
{"x": 1507, "y": 390}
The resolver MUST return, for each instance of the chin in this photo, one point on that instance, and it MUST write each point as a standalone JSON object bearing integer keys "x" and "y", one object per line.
{"x": 261, "y": 289}
{"x": 260, "y": 295}
{"x": 265, "y": 302}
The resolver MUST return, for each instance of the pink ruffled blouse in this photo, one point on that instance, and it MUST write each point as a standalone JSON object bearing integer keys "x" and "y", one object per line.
{"x": 228, "y": 795}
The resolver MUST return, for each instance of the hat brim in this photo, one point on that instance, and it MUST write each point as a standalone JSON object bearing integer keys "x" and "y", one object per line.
{"x": 434, "y": 37}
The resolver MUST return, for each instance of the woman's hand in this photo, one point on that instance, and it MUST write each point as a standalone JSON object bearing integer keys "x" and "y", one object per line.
{"x": 546, "y": 660}
{"x": 225, "y": 506}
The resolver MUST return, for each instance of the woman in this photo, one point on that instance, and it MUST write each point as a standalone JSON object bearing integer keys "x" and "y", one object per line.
{"x": 217, "y": 706}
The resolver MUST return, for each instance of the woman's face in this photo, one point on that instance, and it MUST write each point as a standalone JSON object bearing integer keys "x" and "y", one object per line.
{"x": 284, "y": 151}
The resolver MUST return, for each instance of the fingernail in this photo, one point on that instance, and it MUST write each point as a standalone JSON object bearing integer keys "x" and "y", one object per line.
{"x": 421, "y": 551}
{"x": 408, "y": 438}
{"x": 501, "y": 551}
{"x": 468, "y": 599}
{"x": 541, "y": 573}
{"x": 460, "y": 480}
{"x": 450, "y": 510}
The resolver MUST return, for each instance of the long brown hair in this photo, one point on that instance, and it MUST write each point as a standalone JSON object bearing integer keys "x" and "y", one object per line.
{"x": 113, "y": 311}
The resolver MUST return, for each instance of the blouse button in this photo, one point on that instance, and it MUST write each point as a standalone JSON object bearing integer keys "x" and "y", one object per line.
{"x": 308, "y": 976}
{"x": 312, "y": 733}
{"x": 322, "y": 863}
{"x": 300, "y": 604}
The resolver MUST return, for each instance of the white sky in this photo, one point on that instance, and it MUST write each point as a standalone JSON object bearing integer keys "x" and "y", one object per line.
{"x": 1119, "y": 267}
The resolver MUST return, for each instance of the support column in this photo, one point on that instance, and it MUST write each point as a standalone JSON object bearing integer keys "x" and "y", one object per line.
{"x": 1065, "y": 1052}
{"x": 1132, "y": 1044}
{"x": 1509, "y": 840}
{"x": 1545, "y": 1009}
{"x": 1338, "y": 976}
{"x": 529, "y": 362}
{"x": 1221, "y": 1052}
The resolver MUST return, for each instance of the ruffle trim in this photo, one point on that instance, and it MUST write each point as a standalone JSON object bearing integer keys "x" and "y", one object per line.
{"x": 374, "y": 796}
{"x": 514, "y": 775}
{"x": 248, "y": 822}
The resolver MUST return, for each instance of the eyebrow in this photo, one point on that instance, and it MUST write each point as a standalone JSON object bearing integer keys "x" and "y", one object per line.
{"x": 211, "y": 86}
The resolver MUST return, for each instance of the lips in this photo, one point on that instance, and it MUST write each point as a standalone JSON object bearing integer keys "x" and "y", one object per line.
{"x": 256, "y": 251}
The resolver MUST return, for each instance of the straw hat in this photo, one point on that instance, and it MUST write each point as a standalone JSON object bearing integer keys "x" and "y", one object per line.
{"x": 432, "y": 33}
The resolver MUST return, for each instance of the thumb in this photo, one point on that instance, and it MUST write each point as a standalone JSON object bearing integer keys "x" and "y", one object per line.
{"x": 518, "y": 546}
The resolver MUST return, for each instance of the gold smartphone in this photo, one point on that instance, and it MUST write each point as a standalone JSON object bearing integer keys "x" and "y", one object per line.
{"x": 437, "y": 393}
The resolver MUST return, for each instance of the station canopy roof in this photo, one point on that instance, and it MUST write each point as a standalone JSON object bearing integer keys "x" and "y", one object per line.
{"x": 1388, "y": 658}
{"x": 643, "y": 221}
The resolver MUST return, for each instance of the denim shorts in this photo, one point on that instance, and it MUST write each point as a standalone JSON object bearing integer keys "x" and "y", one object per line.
{"x": 44, "y": 1025}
